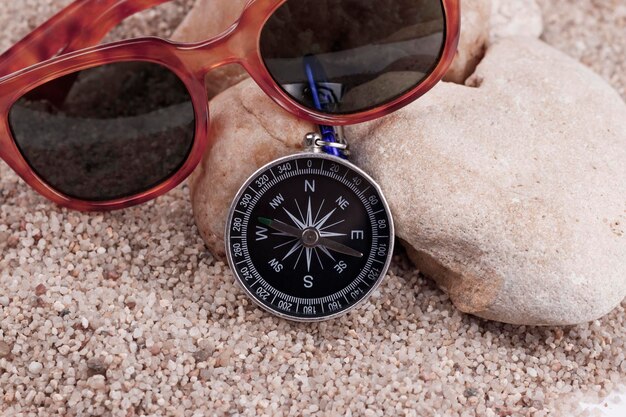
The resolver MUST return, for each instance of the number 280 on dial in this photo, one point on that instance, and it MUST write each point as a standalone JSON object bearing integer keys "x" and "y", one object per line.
{"x": 309, "y": 237}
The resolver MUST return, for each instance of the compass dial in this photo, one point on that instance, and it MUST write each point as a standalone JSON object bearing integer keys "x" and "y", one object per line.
{"x": 309, "y": 237}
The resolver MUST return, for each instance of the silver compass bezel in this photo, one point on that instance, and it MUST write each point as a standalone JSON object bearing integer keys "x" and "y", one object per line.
{"x": 312, "y": 155}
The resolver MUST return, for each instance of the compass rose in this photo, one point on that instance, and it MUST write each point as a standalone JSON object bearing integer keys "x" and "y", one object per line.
{"x": 309, "y": 234}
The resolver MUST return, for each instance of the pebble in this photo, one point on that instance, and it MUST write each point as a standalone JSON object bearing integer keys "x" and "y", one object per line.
{"x": 4, "y": 301}
{"x": 97, "y": 382}
{"x": 40, "y": 289}
{"x": 35, "y": 368}
{"x": 96, "y": 366}
{"x": 5, "y": 349}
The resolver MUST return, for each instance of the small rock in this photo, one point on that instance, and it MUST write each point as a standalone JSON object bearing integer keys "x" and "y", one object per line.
{"x": 97, "y": 382}
{"x": 13, "y": 241}
{"x": 96, "y": 366}
{"x": 40, "y": 289}
{"x": 4, "y": 301}
{"x": 5, "y": 349}
{"x": 35, "y": 368}
{"x": 223, "y": 359}
{"x": 201, "y": 355}
{"x": 470, "y": 392}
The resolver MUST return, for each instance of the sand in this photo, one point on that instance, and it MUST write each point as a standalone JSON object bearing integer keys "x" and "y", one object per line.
{"x": 126, "y": 313}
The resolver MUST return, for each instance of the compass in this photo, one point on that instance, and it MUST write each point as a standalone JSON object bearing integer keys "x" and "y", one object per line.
{"x": 309, "y": 236}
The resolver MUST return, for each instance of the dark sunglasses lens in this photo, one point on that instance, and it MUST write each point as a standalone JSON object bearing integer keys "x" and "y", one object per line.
{"x": 352, "y": 54}
{"x": 108, "y": 132}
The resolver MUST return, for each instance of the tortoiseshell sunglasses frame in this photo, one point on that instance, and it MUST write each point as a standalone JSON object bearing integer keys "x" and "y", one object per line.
{"x": 55, "y": 49}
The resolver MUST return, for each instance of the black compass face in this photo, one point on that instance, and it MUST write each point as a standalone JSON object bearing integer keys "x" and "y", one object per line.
{"x": 309, "y": 237}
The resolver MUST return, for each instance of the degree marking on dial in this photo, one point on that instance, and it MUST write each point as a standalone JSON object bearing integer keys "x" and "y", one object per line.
{"x": 364, "y": 191}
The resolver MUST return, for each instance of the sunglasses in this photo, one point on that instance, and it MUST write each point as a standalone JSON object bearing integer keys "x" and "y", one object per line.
{"x": 119, "y": 124}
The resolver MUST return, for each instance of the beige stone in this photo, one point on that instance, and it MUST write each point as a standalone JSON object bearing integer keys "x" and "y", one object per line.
{"x": 509, "y": 192}
{"x": 475, "y": 27}
{"x": 515, "y": 18}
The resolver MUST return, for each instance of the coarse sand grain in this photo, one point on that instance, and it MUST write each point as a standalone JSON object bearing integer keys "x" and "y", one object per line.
{"x": 126, "y": 313}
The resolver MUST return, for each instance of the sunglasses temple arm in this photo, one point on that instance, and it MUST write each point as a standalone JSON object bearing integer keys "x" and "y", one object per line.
{"x": 82, "y": 24}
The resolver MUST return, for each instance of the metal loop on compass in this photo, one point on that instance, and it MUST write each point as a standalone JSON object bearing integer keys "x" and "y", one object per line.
{"x": 316, "y": 143}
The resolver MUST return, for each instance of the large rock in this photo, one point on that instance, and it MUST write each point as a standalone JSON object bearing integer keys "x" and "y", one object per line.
{"x": 509, "y": 192}
{"x": 517, "y": 202}
{"x": 475, "y": 28}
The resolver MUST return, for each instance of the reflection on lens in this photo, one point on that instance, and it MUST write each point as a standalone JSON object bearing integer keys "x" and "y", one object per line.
{"x": 369, "y": 52}
{"x": 108, "y": 132}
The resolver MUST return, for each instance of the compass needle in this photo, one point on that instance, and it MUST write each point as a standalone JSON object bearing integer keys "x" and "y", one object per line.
{"x": 281, "y": 227}
{"x": 341, "y": 248}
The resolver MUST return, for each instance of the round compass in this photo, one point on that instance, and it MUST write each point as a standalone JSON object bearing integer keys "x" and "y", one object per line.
{"x": 309, "y": 237}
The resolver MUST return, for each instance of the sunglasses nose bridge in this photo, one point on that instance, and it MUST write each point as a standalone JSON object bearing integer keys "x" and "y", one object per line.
{"x": 231, "y": 47}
